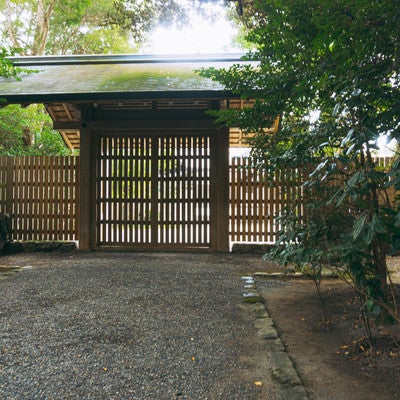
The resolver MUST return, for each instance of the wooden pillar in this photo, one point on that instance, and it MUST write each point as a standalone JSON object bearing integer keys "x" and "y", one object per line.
{"x": 220, "y": 190}
{"x": 87, "y": 180}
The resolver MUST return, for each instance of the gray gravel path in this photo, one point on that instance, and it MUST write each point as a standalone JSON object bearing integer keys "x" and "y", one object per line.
{"x": 128, "y": 326}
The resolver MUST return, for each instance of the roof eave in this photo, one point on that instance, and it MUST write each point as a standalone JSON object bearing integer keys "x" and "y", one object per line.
{"x": 29, "y": 61}
{"x": 88, "y": 97}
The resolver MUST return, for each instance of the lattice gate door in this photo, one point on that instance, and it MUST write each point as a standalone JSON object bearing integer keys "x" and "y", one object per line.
{"x": 153, "y": 191}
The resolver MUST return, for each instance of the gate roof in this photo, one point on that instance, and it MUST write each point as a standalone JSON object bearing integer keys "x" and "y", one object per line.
{"x": 107, "y": 77}
{"x": 115, "y": 82}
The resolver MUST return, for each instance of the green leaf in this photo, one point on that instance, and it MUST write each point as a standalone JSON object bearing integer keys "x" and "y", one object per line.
{"x": 359, "y": 225}
{"x": 377, "y": 224}
{"x": 348, "y": 138}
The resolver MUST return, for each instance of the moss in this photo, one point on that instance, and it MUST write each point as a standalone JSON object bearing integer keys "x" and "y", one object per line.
{"x": 154, "y": 79}
{"x": 252, "y": 299}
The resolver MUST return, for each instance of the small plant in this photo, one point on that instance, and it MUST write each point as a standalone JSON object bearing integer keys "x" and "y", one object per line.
{"x": 7, "y": 67}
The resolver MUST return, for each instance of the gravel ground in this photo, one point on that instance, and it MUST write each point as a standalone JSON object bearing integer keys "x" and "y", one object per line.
{"x": 128, "y": 326}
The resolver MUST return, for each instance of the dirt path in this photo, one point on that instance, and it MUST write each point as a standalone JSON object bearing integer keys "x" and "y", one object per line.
{"x": 330, "y": 357}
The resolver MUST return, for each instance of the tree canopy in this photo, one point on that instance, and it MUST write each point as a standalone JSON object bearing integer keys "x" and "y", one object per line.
{"x": 57, "y": 27}
{"x": 330, "y": 69}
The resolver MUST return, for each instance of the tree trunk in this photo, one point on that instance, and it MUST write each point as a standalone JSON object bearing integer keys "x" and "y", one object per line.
{"x": 43, "y": 15}
{"x": 10, "y": 28}
{"x": 379, "y": 249}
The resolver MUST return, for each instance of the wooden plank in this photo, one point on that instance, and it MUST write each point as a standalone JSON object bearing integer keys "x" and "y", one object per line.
{"x": 177, "y": 145}
{"x": 43, "y": 201}
{"x": 86, "y": 196}
{"x": 237, "y": 206}
{"x": 31, "y": 209}
{"x": 154, "y": 201}
{"x": 64, "y": 199}
{"x": 8, "y": 178}
{"x": 220, "y": 189}
{"x": 135, "y": 189}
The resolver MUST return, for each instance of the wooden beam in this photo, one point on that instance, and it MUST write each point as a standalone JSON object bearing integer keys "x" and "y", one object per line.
{"x": 87, "y": 179}
{"x": 67, "y": 141}
{"x": 51, "y": 113}
{"x": 152, "y": 125}
{"x": 220, "y": 190}
{"x": 150, "y": 114}
{"x": 67, "y": 111}
{"x": 67, "y": 125}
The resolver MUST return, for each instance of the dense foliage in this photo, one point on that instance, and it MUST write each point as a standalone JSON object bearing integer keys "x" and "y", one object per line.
{"x": 80, "y": 26}
{"x": 25, "y": 130}
{"x": 28, "y": 131}
{"x": 330, "y": 69}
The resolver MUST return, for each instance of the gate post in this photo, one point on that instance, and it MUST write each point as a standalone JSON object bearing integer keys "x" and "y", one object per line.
{"x": 220, "y": 189}
{"x": 86, "y": 194}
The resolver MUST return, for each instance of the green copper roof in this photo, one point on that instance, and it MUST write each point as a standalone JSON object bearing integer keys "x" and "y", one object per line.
{"x": 93, "y": 77}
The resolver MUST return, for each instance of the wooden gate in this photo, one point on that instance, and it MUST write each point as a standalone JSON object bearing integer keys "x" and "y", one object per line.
{"x": 154, "y": 191}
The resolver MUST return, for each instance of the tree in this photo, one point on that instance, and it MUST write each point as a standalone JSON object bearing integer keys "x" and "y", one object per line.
{"x": 81, "y": 26}
{"x": 7, "y": 68}
{"x": 25, "y": 131}
{"x": 28, "y": 131}
{"x": 330, "y": 69}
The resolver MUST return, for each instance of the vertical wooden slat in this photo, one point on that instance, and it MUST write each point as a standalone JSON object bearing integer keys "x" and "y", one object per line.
{"x": 17, "y": 195}
{"x": 134, "y": 191}
{"x": 204, "y": 203}
{"x": 154, "y": 201}
{"x": 9, "y": 184}
{"x": 149, "y": 185}
{"x": 236, "y": 205}
{"x": 65, "y": 189}
{"x": 43, "y": 201}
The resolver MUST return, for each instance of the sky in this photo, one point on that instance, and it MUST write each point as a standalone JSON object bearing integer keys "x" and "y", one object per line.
{"x": 200, "y": 36}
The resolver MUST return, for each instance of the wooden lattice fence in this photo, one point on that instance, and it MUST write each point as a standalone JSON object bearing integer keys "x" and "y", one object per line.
{"x": 41, "y": 196}
{"x": 256, "y": 201}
